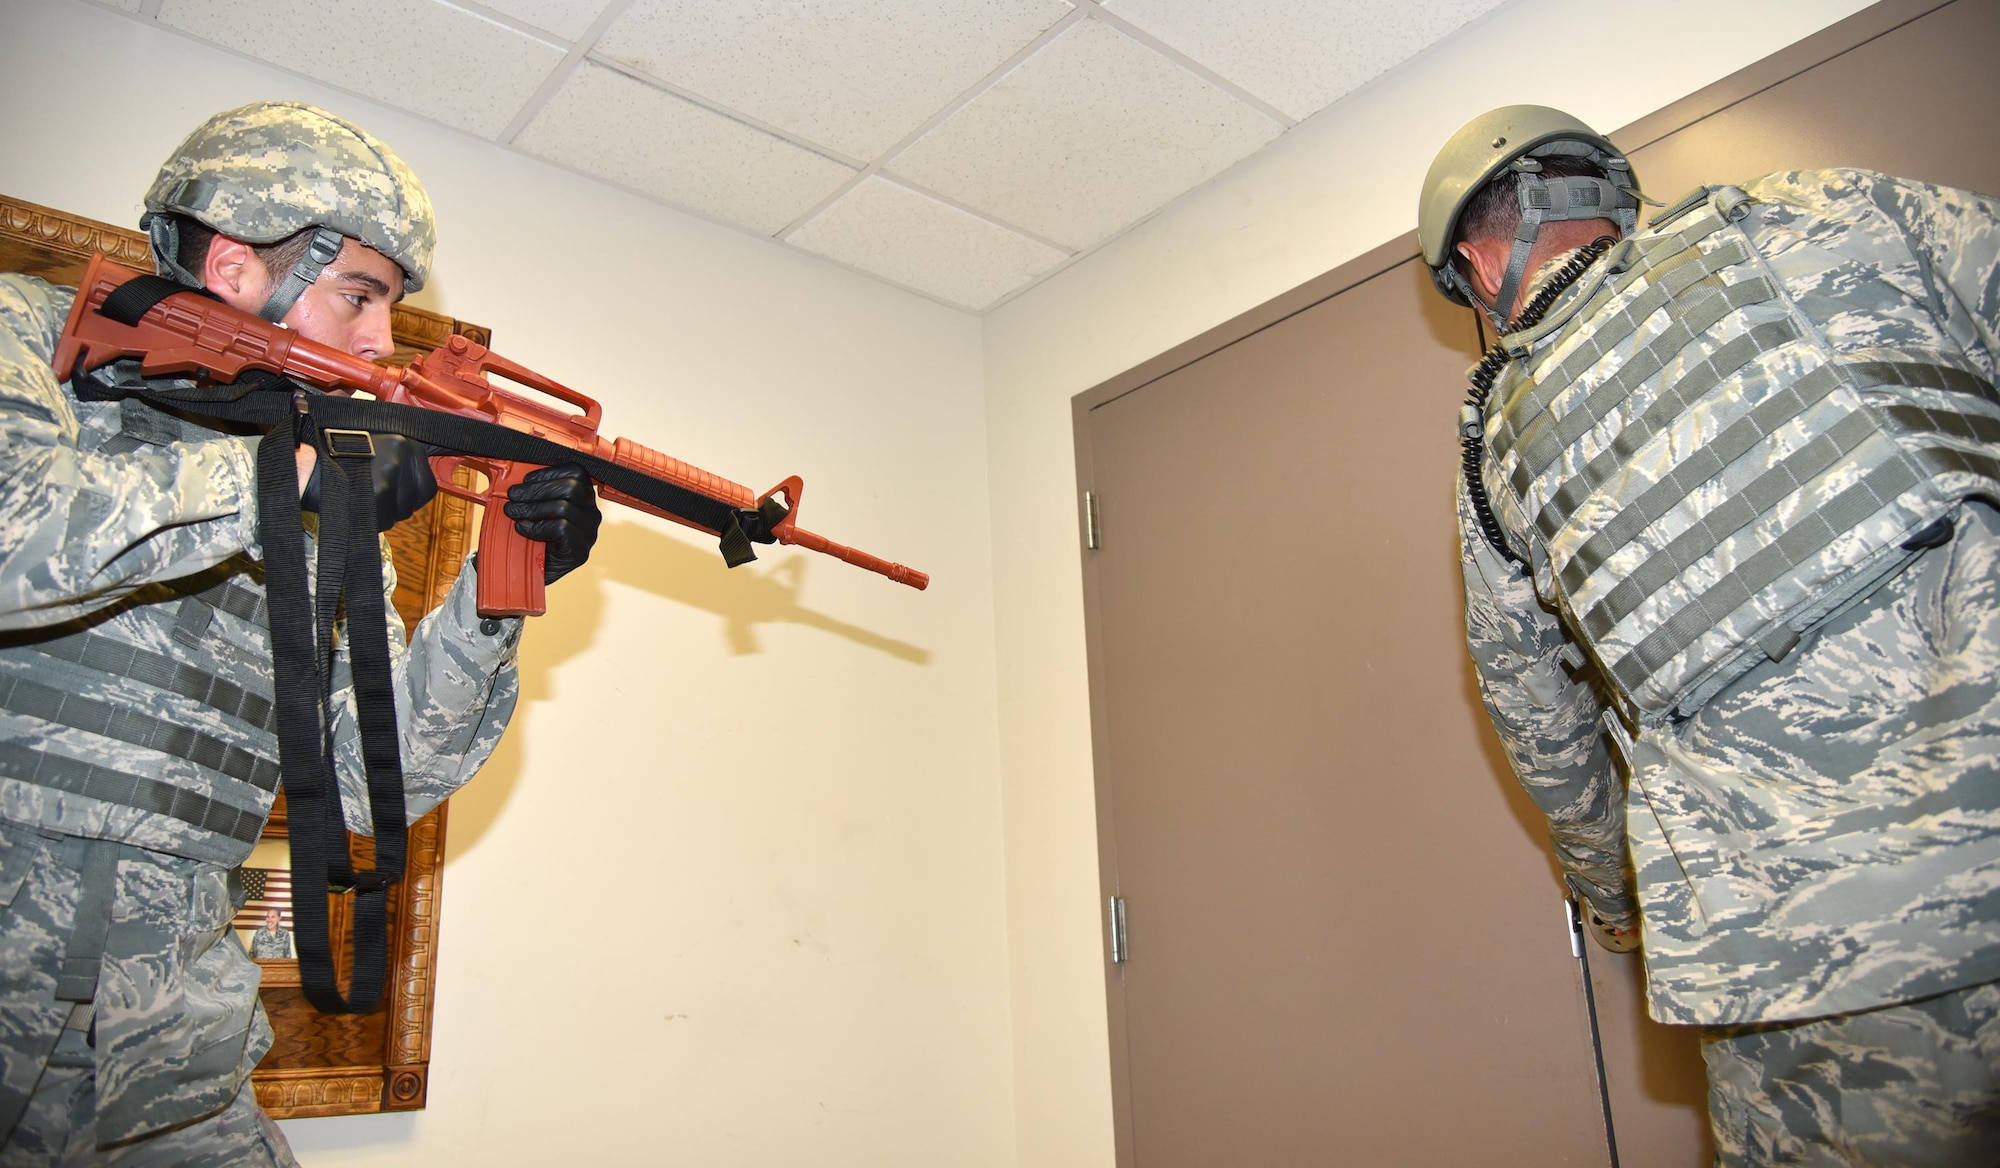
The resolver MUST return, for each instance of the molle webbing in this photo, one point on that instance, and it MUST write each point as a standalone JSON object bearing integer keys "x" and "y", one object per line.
{"x": 31, "y": 699}
{"x": 1795, "y": 473}
{"x": 1675, "y": 274}
{"x": 1694, "y": 384}
{"x": 1796, "y": 547}
{"x": 108, "y": 655}
{"x": 1775, "y": 484}
{"x": 1705, "y": 303}
{"x": 231, "y": 596}
{"x": 1697, "y": 469}
{"x": 63, "y": 669}
{"x": 142, "y": 425}
{"x": 1629, "y": 261}
{"x": 109, "y": 786}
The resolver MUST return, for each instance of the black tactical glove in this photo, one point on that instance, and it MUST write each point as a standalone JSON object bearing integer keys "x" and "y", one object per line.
{"x": 403, "y": 480}
{"x": 558, "y": 506}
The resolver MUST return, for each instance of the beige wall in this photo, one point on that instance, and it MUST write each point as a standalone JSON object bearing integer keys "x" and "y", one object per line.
{"x": 1338, "y": 185}
{"x": 732, "y": 891}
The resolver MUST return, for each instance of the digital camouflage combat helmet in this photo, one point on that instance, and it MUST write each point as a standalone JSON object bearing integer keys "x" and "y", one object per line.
{"x": 274, "y": 168}
{"x": 1513, "y": 137}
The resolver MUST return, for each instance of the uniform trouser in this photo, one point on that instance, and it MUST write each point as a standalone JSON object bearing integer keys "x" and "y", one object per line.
{"x": 1915, "y": 1085}
{"x": 56, "y": 1132}
{"x": 156, "y": 1065}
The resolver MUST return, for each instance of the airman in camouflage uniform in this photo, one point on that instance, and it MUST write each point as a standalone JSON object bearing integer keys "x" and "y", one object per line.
{"x": 1715, "y": 643}
{"x": 138, "y": 752}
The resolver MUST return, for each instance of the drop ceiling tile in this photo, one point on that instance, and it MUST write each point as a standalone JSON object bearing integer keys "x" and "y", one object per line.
{"x": 568, "y": 19}
{"x": 123, "y": 5}
{"x": 606, "y": 124}
{"x": 1300, "y": 57}
{"x": 891, "y": 231}
{"x": 856, "y": 76}
{"x": 385, "y": 49}
{"x": 1083, "y": 138}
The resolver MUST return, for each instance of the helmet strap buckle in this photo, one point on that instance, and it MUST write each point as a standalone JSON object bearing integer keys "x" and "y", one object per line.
{"x": 321, "y": 251}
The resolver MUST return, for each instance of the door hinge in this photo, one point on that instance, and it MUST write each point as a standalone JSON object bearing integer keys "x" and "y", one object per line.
{"x": 1117, "y": 922}
{"x": 1090, "y": 520}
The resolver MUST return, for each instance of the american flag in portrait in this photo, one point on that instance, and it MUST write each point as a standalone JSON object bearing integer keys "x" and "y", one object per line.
{"x": 268, "y": 888}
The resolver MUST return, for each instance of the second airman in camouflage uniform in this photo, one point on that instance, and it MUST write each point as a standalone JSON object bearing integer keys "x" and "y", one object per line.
{"x": 138, "y": 752}
{"x": 1806, "y": 783}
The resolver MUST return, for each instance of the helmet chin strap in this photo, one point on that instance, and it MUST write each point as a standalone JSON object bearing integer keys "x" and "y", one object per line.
{"x": 164, "y": 235}
{"x": 163, "y": 232}
{"x": 1473, "y": 297}
{"x": 325, "y": 246}
{"x": 1517, "y": 266}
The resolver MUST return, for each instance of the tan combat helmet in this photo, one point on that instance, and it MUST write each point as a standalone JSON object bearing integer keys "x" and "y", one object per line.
{"x": 1513, "y": 137}
{"x": 274, "y": 168}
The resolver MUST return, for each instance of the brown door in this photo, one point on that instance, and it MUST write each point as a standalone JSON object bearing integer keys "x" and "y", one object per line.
{"x": 1344, "y": 943}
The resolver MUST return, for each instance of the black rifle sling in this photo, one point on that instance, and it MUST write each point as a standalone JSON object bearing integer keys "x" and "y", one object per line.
{"x": 350, "y": 576}
{"x": 302, "y": 657}
{"x": 450, "y": 432}
{"x": 302, "y": 649}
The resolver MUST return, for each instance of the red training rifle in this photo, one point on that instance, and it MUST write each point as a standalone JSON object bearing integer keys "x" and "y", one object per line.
{"x": 190, "y": 333}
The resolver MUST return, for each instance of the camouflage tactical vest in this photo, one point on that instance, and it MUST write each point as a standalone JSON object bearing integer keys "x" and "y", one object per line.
{"x": 151, "y": 724}
{"x": 1698, "y": 472}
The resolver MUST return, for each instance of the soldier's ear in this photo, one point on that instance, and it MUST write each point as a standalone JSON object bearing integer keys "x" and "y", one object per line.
{"x": 1485, "y": 265}
{"x": 233, "y": 272}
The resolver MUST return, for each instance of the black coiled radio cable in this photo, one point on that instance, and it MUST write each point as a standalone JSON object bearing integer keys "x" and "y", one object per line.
{"x": 1471, "y": 430}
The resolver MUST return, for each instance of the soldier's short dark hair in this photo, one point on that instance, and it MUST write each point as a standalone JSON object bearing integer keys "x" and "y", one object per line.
{"x": 1495, "y": 209}
{"x": 278, "y": 258}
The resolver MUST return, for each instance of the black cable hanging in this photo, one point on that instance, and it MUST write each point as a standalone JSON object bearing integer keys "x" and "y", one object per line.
{"x": 1472, "y": 435}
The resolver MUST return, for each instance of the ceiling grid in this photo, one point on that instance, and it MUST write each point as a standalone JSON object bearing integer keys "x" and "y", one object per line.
{"x": 964, "y": 150}
{"x": 578, "y": 49}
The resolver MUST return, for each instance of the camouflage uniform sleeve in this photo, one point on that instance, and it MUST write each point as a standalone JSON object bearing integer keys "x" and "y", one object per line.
{"x": 455, "y": 691}
{"x": 1549, "y": 722}
{"x": 80, "y": 530}
{"x": 1955, "y": 236}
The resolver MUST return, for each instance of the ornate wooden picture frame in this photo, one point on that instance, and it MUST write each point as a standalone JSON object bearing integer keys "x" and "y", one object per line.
{"x": 323, "y": 1064}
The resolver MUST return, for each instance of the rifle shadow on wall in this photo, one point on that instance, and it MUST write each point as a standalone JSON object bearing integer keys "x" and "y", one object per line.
{"x": 686, "y": 571}
{"x": 764, "y": 593}
{"x": 574, "y": 619}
